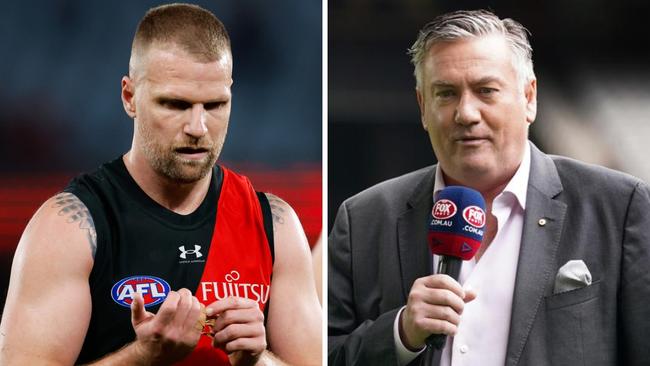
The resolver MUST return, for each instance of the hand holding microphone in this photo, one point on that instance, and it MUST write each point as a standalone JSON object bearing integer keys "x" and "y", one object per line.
{"x": 434, "y": 306}
{"x": 435, "y": 302}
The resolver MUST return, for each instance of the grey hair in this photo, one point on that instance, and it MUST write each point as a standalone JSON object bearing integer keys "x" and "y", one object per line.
{"x": 465, "y": 24}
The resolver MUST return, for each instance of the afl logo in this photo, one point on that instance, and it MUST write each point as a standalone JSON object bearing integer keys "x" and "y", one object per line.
{"x": 474, "y": 216}
{"x": 443, "y": 209}
{"x": 154, "y": 290}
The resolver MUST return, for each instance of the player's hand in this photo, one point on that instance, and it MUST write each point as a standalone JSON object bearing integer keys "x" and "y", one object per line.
{"x": 434, "y": 306}
{"x": 238, "y": 329}
{"x": 169, "y": 335}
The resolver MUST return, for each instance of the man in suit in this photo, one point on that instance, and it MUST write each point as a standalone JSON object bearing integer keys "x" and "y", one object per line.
{"x": 551, "y": 221}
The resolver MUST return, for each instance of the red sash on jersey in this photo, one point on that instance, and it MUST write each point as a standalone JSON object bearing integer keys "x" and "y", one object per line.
{"x": 239, "y": 261}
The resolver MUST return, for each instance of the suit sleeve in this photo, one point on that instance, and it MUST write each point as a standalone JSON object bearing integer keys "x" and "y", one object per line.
{"x": 353, "y": 341}
{"x": 634, "y": 310}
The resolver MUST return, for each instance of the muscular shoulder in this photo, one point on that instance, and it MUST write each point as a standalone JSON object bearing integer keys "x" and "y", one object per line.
{"x": 393, "y": 194}
{"x": 288, "y": 234}
{"x": 62, "y": 224}
{"x": 76, "y": 215}
{"x": 280, "y": 210}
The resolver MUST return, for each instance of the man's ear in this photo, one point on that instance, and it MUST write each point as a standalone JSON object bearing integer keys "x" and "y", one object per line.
{"x": 128, "y": 96}
{"x": 530, "y": 93}
{"x": 420, "y": 99}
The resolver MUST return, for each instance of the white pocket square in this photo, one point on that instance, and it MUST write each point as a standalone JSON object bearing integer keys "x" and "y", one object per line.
{"x": 571, "y": 276}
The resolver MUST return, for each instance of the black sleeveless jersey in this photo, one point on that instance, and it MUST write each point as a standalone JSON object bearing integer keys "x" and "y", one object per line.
{"x": 142, "y": 246}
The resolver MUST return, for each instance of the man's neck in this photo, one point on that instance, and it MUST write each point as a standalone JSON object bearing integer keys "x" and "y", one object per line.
{"x": 489, "y": 192}
{"x": 181, "y": 198}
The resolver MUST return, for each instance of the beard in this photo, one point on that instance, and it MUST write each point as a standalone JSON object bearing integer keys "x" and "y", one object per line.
{"x": 167, "y": 160}
{"x": 170, "y": 164}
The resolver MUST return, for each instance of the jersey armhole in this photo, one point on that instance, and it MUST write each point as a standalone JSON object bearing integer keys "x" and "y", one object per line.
{"x": 267, "y": 217}
{"x": 268, "y": 222}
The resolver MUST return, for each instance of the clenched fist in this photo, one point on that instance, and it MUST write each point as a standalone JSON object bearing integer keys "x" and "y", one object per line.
{"x": 434, "y": 306}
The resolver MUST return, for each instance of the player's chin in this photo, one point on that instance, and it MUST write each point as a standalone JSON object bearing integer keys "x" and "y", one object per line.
{"x": 190, "y": 172}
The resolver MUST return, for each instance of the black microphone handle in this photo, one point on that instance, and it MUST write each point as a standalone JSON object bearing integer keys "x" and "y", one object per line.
{"x": 450, "y": 266}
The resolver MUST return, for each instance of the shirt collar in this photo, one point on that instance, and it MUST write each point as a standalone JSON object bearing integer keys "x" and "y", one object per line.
{"x": 517, "y": 186}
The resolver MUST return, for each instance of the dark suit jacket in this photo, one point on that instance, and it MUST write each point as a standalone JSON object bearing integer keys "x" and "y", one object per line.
{"x": 377, "y": 248}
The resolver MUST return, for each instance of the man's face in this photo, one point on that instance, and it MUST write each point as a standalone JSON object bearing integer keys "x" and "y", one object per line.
{"x": 475, "y": 110}
{"x": 182, "y": 108}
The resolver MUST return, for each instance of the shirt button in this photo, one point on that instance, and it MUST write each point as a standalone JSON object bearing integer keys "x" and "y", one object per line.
{"x": 464, "y": 348}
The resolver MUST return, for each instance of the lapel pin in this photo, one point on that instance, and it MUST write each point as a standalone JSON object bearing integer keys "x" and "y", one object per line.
{"x": 541, "y": 222}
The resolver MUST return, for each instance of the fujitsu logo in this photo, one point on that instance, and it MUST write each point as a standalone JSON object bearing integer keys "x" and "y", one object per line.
{"x": 195, "y": 252}
{"x": 212, "y": 291}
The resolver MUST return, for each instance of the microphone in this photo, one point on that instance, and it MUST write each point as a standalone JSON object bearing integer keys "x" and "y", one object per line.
{"x": 456, "y": 228}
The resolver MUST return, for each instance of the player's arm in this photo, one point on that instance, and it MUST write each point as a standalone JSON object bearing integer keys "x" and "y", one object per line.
{"x": 48, "y": 303}
{"x": 294, "y": 318}
{"x": 293, "y": 327}
{"x": 48, "y": 306}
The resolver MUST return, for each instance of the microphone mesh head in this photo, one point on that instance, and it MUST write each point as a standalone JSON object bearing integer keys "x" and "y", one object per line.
{"x": 457, "y": 222}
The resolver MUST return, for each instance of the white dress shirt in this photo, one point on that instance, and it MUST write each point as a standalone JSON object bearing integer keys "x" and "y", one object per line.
{"x": 482, "y": 336}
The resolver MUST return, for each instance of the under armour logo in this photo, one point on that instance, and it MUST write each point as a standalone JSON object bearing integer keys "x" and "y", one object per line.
{"x": 194, "y": 251}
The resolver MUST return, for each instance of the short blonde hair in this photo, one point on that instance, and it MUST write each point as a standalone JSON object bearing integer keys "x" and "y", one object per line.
{"x": 195, "y": 30}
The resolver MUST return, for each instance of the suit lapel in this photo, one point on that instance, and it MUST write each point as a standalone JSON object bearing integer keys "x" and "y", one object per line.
{"x": 414, "y": 256}
{"x": 540, "y": 240}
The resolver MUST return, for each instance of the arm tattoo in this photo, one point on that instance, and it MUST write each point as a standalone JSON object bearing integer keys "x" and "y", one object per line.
{"x": 278, "y": 208}
{"x": 75, "y": 211}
